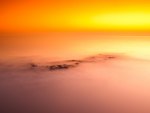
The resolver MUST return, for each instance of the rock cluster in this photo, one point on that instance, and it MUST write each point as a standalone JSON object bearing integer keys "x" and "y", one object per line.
{"x": 67, "y": 64}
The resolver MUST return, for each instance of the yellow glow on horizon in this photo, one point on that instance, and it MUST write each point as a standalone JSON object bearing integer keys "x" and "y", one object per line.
{"x": 127, "y": 20}
{"x": 75, "y": 15}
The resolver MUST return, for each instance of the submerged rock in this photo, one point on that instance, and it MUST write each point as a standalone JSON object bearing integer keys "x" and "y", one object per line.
{"x": 67, "y": 64}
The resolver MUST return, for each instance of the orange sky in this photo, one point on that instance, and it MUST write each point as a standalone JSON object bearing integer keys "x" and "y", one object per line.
{"x": 74, "y": 15}
{"x": 72, "y": 27}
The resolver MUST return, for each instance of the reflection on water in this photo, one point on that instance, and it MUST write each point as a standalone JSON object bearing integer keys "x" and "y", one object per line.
{"x": 115, "y": 86}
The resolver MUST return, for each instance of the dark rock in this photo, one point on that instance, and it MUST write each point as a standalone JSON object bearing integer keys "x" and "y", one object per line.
{"x": 33, "y": 65}
{"x": 111, "y": 57}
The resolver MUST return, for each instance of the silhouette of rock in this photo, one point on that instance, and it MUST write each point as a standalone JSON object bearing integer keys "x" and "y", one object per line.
{"x": 58, "y": 67}
{"x": 33, "y": 65}
{"x": 67, "y": 64}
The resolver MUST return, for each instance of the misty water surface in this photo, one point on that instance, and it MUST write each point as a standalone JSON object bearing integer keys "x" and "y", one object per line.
{"x": 112, "y": 86}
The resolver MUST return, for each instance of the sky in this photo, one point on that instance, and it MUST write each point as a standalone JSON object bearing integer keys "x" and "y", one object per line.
{"x": 74, "y": 27}
{"x": 74, "y": 15}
